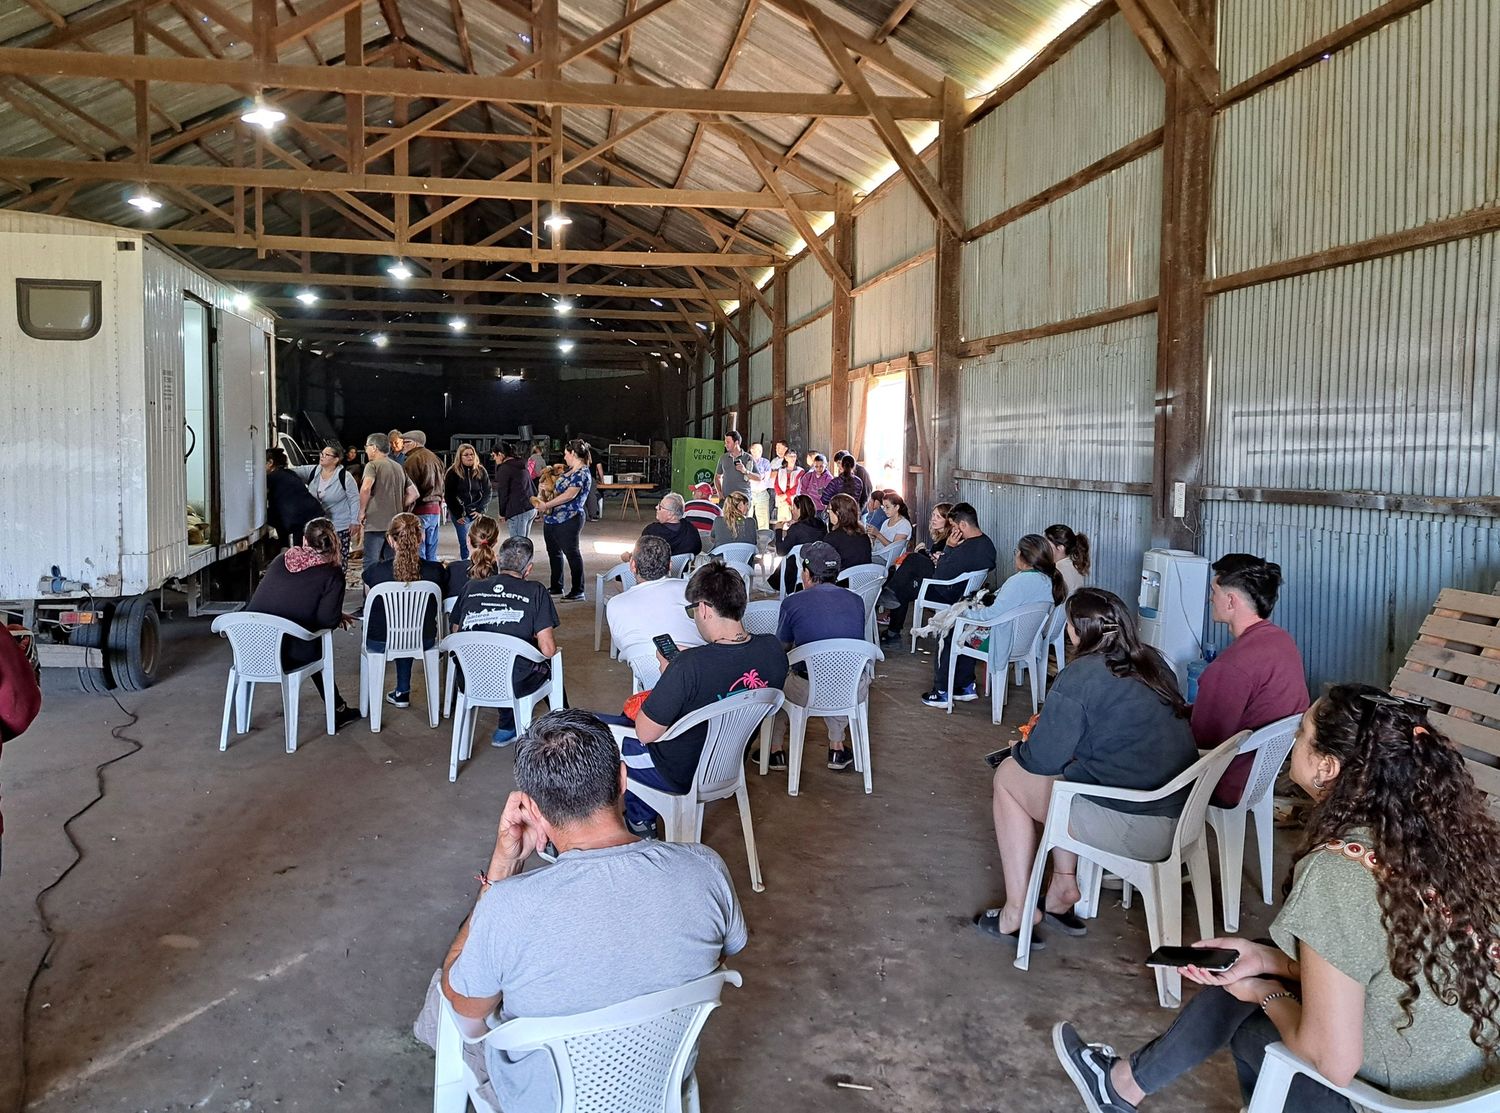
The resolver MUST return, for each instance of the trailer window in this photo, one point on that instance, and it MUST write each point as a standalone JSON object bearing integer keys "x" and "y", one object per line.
{"x": 58, "y": 308}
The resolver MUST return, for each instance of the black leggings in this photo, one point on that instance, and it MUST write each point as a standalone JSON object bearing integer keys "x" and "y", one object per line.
{"x": 904, "y": 583}
{"x": 562, "y": 541}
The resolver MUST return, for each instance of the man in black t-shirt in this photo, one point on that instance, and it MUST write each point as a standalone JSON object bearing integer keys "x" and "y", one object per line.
{"x": 671, "y": 527}
{"x": 509, "y": 603}
{"x": 729, "y": 661}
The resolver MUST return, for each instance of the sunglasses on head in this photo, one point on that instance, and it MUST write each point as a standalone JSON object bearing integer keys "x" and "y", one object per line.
{"x": 1373, "y": 700}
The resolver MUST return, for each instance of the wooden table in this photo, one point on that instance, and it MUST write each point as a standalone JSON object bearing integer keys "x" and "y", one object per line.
{"x": 630, "y": 498}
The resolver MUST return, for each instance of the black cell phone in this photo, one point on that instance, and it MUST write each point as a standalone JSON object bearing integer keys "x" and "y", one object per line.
{"x": 1215, "y": 960}
{"x": 665, "y": 646}
{"x": 993, "y": 760}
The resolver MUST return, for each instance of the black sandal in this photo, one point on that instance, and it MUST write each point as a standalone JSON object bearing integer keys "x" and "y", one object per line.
{"x": 988, "y": 922}
{"x": 1068, "y": 922}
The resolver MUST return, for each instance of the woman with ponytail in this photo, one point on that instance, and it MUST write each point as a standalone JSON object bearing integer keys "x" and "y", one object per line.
{"x": 404, "y": 537}
{"x": 1387, "y": 958}
{"x": 484, "y": 536}
{"x": 305, "y": 585}
{"x": 1036, "y": 580}
{"x": 1114, "y": 717}
{"x": 1070, "y": 552}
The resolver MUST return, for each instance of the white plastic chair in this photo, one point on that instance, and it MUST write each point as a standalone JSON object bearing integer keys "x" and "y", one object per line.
{"x": 1053, "y": 636}
{"x": 861, "y": 574}
{"x": 450, "y": 674}
{"x": 619, "y": 572}
{"x": 487, "y": 661}
{"x": 1014, "y": 637}
{"x": 255, "y": 640}
{"x": 834, "y": 668}
{"x": 869, "y": 593}
{"x": 747, "y": 573}
{"x": 405, "y": 606}
{"x": 793, "y": 554}
{"x": 721, "y": 768}
{"x": 1278, "y": 1069}
{"x": 680, "y": 563}
{"x": 1270, "y": 745}
{"x": 1160, "y": 883}
{"x": 762, "y": 616}
{"x": 888, "y": 554}
{"x": 644, "y": 670}
{"x": 972, "y": 582}
{"x": 634, "y": 1057}
{"x": 737, "y": 552}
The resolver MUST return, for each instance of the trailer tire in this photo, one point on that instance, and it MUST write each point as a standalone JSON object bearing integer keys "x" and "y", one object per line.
{"x": 134, "y": 644}
{"x": 94, "y": 636}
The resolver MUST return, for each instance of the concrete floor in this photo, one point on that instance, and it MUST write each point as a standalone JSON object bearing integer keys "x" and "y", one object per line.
{"x": 253, "y": 930}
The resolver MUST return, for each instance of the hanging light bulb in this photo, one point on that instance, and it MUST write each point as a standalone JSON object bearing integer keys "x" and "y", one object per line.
{"x": 565, "y": 346}
{"x": 262, "y": 115}
{"x": 380, "y": 340}
{"x": 143, "y": 200}
{"x": 307, "y": 297}
{"x": 557, "y": 220}
{"x": 399, "y": 271}
{"x": 458, "y": 324}
{"x": 565, "y": 306}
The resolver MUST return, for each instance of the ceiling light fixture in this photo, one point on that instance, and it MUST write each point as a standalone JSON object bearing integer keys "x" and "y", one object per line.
{"x": 458, "y": 324}
{"x": 241, "y": 302}
{"x": 263, "y": 115}
{"x": 143, "y": 200}
{"x": 380, "y": 340}
{"x": 565, "y": 306}
{"x": 565, "y": 346}
{"x": 399, "y": 271}
{"x": 307, "y": 297}
{"x": 557, "y": 220}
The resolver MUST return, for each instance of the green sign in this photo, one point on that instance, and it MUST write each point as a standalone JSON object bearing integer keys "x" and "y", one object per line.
{"x": 693, "y": 461}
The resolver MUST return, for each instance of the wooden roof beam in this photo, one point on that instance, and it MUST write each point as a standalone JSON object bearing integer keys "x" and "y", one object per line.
{"x": 1185, "y": 44}
{"x": 877, "y": 52}
{"x": 480, "y": 309}
{"x": 799, "y": 221}
{"x": 459, "y": 285}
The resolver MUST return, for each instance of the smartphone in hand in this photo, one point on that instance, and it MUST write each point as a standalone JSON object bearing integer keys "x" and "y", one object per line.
{"x": 993, "y": 760}
{"x": 666, "y": 647}
{"x": 1215, "y": 960}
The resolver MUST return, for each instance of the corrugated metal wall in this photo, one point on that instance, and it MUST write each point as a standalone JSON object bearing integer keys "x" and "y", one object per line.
{"x": 1094, "y": 248}
{"x": 1401, "y": 129}
{"x": 894, "y": 317}
{"x": 732, "y": 385}
{"x": 760, "y": 326}
{"x": 809, "y": 289}
{"x": 759, "y": 427}
{"x": 891, "y": 229}
{"x": 809, "y": 352}
{"x": 760, "y": 374}
{"x": 1380, "y": 376}
{"x": 818, "y": 421}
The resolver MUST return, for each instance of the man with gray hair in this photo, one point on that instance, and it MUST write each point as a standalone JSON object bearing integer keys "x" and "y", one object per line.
{"x": 682, "y": 536}
{"x": 383, "y": 493}
{"x": 654, "y": 605}
{"x": 425, "y": 471}
{"x": 550, "y": 942}
{"x": 506, "y": 602}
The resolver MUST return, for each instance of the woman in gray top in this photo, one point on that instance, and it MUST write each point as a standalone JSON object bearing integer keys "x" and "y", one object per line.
{"x": 1114, "y": 717}
{"x": 1387, "y": 958}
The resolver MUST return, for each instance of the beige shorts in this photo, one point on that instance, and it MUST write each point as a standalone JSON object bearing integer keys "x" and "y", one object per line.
{"x": 1146, "y": 838}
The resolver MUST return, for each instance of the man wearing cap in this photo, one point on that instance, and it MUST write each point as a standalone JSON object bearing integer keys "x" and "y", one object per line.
{"x": 822, "y": 611}
{"x": 425, "y": 471}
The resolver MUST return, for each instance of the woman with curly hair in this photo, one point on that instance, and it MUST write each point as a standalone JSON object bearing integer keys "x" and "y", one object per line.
{"x": 1387, "y": 956}
{"x": 404, "y": 535}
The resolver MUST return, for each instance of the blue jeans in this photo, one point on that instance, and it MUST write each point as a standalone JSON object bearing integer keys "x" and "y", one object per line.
{"x": 430, "y": 523}
{"x": 520, "y": 524}
{"x": 461, "y": 527}
{"x": 403, "y": 665}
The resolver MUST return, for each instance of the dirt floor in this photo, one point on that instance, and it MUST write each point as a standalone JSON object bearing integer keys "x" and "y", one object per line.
{"x": 253, "y": 930}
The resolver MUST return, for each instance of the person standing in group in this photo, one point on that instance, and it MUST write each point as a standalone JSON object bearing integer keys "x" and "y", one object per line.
{"x": 383, "y": 493}
{"x": 353, "y": 464}
{"x": 816, "y": 480}
{"x": 425, "y": 471}
{"x": 1070, "y": 552}
{"x": 596, "y": 496}
{"x": 513, "y": 488}
{"x": 735, "y": 467}
{"x": 536, "y": 461}
{"x": 338, "y": 492}
{"x": 847, "y": 482}
{"x": 406, "y": 566}
{"x": 562, "y": 519}
{"x": 466, "y": 489}
{"x": 289, "y": 504}
{"x": 398, "y": 447}
{"x": 786, "y": 480}
{"x": 760, "y": 486}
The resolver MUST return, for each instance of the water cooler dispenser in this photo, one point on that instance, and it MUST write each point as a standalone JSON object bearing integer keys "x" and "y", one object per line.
{"x": 1174, "y": 593}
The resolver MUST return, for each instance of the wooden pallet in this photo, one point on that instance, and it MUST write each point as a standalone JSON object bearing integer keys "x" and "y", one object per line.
{"x": 1455, "y": 665}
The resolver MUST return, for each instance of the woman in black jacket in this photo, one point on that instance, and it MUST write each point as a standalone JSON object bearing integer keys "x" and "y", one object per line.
{"x": 805, "y": 528}
{"x": 513, "y": 490}
{"x": 305, "y": 585}
{"x": 846, "y": 534}
{"x": 289, "y": 504}
{"x": 466, "y": 490}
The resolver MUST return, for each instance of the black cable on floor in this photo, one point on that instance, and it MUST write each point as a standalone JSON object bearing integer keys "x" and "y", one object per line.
{"x": 119, "y": 735}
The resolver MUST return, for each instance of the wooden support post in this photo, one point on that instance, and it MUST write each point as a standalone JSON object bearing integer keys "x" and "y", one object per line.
{"x": 939, "y": 482}
{"x": 354, "y": 103}
{"x": 843, "y": 319}
{"x": 747, "y": 306}
{"x": 140, "y": 91}
{"x": 716, "y": 428}
{"x": 780, "y": 284}
{"x": 1181, "y": 359}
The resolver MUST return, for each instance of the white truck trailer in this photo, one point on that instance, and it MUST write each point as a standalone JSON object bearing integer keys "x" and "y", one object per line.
{"x": 138, "y": 397}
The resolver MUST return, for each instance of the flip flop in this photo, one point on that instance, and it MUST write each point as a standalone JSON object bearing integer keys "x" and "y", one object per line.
{"x": 1068, "y": 922}
{"x": 988, "y": 922}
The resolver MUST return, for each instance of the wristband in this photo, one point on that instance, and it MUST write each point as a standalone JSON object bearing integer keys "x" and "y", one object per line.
{"x": 1268, "y": 998}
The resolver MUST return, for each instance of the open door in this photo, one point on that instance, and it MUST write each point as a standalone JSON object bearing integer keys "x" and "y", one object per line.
{"x": 885, "y": 432}
{"x": 199, "y": 419}
{"x": 240, "y": 378}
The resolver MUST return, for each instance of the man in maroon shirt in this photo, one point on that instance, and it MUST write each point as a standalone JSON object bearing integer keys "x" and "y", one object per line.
{"x": 1256, "y": 680}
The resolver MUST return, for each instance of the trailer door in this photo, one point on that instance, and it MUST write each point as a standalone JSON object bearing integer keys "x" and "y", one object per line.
{"x": 240, "y": 376}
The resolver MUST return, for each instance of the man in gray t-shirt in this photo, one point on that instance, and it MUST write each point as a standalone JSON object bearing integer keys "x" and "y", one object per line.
{"x": 735, "y": 467}
{"x": 614, "y": 918}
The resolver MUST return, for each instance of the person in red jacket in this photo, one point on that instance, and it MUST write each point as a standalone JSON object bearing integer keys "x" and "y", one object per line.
{"x": 1259, "y": 678}
{"x": 20, "y": 688}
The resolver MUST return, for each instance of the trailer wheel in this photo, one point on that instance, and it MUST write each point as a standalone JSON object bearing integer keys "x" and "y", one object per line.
{"x": 134, "y": 644}
{"x": 94, "y": 636}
